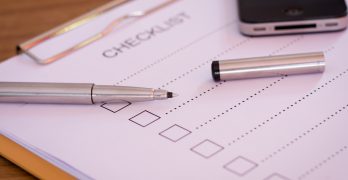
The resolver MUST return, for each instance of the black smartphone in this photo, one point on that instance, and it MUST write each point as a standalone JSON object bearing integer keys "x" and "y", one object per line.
{"x": 272, "y": 17}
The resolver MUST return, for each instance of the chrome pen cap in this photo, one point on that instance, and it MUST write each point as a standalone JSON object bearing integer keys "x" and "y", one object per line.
{"x": 268, "y": 66}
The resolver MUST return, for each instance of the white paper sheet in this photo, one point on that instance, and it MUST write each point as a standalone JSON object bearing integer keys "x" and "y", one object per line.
{"x": 290, "y": 127}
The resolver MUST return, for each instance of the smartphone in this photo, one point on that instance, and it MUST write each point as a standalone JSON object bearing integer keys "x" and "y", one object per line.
{"x": 274, "y": 17}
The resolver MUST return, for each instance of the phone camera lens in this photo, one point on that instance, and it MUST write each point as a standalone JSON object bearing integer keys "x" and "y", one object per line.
{"x": 294, "y": 11}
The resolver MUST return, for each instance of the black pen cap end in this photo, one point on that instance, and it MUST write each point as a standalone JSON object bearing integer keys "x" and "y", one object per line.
{"x": 215, "y": 70}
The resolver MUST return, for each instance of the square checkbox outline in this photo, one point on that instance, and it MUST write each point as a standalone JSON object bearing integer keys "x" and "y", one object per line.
{"x": 276, "y": 174}
{"x": 189, "y": 132}
{"x": 158, "y": 117}
{"x": 237, "y": 173}
{"x": 103, "y": 106}
{"x": 207, "y": 140}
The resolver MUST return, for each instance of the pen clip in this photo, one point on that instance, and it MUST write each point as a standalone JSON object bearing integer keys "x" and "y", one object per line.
{"x": 67, "y": 27}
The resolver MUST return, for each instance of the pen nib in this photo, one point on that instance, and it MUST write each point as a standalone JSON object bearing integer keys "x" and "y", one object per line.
{"x": 171, "y": 95}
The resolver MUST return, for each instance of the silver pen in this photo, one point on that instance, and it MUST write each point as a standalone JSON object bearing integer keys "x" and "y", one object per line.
{"x": 268, "y": 66}
{"x": 76, "y": 93}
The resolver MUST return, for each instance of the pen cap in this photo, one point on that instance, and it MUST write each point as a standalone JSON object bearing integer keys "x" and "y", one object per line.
{"x": 268, "y": 66}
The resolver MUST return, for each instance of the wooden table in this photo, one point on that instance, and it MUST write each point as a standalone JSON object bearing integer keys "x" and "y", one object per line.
{"x": 21, "y": 20}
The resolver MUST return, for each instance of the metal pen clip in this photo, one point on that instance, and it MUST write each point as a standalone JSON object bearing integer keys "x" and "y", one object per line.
{"x": 75, "y": 23}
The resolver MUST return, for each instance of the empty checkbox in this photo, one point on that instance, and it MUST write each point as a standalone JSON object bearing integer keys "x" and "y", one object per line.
{"x": 175, "y": 133}
{"x": 240, "y": 166}
{"x": 207, "y": 148}
{"x": 144, "y": 118}
{"x": 276, "y": 176}
{"x": 115, "y": 107}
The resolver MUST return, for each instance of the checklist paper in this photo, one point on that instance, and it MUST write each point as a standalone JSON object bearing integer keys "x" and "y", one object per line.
{"x": 288, "y": 127}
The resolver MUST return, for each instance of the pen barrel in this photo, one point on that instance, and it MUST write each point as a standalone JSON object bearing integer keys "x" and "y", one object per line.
{"x": 268, "y": 66}
{"x": 57, "y": 93}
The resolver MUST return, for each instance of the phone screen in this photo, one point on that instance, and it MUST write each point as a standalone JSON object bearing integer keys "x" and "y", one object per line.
{"x": 261, "y": 11}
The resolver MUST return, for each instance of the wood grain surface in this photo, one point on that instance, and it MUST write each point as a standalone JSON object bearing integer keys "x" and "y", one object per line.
{"x": 21, "y": 20}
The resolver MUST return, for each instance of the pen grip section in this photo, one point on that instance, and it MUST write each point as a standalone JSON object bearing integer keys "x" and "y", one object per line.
{"x": 57, "y": 93}
{"x": 119, "y": 94}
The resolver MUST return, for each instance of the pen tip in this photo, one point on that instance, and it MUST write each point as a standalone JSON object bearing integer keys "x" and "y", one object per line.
{"x": 171, "y": 95}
